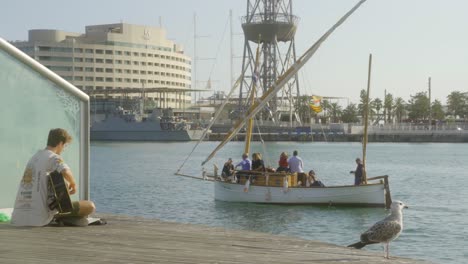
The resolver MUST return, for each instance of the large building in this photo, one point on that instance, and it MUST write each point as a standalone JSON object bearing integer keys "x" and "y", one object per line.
{"x": 115, "y": 61}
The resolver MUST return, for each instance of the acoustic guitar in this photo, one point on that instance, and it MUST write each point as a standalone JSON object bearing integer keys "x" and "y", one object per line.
{"x": 59, "y": 191}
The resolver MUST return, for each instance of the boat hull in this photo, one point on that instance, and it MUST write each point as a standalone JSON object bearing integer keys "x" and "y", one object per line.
{"x": 372, "y": 195}
{"x": 146, "y": 135}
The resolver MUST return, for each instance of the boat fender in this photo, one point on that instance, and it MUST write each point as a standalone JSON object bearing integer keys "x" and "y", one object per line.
{"x": 204, "y": 174}
{"x": 308, "y": 181}
{"x": 247, "y": 185}
{"x": 285, "y": 184}
{"x": 234, "y": 178}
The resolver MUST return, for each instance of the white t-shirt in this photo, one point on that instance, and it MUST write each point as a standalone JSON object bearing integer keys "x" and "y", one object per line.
{"x": 295, "y": 164}
{"x": 31, "y": 206}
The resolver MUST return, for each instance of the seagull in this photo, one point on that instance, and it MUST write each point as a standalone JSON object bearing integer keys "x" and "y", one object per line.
{"x": 385, "y": 230}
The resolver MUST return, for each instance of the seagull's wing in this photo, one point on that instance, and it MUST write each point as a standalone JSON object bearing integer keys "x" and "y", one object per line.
{"x": 382, "y": 231}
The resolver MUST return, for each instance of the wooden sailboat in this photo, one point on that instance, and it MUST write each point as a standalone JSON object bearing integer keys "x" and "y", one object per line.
{"x": 283, "y": 187}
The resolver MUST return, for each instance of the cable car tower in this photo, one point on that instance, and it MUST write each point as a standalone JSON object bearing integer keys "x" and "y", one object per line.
{"x": 271, "y": 24}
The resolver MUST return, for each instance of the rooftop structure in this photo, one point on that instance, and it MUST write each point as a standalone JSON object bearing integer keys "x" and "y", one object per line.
{"x": 114, "y": 57}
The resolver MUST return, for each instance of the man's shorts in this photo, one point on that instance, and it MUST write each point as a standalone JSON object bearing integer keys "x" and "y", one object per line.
{"x": 76, "y": 208}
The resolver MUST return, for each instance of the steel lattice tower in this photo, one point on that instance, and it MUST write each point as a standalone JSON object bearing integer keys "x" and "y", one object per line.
{"x": 272, "y": 24}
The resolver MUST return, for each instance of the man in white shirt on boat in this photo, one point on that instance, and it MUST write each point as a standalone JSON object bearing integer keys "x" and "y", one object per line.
{"x": 295, "y": 163}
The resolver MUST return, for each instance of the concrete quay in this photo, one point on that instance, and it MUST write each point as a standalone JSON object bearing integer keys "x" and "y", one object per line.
{"x": 137, "y": 240}
{"x": 412, "y": 137}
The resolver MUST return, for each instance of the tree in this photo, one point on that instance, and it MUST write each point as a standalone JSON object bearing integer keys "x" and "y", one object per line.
{"x": 302, "y": 107}
{"x": 335, "y": 112}
{"x": 350, "y": 114}
{"x": 399, "y": 108}
{"x": 377, "y": 105}
{"x": 437, "y": 111}
{"x": 418, "y": 106}
{"x": 326, "y": 108}
{"x": 388, "y": 108}
{"x": 457, "y": 103}
{"x": 363, "y": 103}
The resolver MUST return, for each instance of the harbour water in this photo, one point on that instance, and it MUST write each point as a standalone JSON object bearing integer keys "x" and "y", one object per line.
{"x": 138, "y": 179}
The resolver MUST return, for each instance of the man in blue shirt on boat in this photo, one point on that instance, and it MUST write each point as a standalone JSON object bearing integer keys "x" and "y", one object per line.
{"x": 358, "y": 172}
{"x": 246, "y": 164}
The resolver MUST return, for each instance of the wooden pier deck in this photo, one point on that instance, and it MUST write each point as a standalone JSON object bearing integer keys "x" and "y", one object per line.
{"x": 138, "y": 240}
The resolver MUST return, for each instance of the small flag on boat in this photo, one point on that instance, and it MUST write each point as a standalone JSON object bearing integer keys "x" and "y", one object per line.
{"x": 315, "y": 103}
{"x": 285, "y": 184}
{"x": 247, "y": 185}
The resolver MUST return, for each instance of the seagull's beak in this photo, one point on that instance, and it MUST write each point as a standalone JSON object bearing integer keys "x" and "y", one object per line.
{"x": 405, "y": 207}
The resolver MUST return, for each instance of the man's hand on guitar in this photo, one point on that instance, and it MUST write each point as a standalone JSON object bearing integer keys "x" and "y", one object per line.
{"x": 72, "y": 188}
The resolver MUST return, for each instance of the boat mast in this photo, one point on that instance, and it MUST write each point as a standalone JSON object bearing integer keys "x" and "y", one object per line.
{"x": 366, "y": 122}
{"x": 280, "y": 82}
{"x": 248, "y": 135}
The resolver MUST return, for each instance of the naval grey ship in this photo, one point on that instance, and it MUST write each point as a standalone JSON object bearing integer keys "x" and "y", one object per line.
{"x": 160, "y": 125}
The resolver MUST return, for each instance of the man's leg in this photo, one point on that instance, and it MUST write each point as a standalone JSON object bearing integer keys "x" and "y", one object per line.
{"x": 79, "y": 214}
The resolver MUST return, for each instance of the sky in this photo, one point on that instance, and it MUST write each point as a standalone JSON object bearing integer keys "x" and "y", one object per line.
{"x": 410, "y": 40}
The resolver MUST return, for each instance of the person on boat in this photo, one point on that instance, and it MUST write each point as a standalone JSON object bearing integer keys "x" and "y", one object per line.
{"x": 295, "y": 163}
{"x": 245, "y": 164}
{"x": 357, "y": 172}
{"x": 257, "y": 162}
{"x": 32, "y": 204}
{"x": 313, "y": 180}
{"x": 228, "y": 169}
{"x": 283, "y": 163}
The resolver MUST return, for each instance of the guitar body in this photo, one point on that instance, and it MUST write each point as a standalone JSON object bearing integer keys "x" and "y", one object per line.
{"x": 61, "y": 198}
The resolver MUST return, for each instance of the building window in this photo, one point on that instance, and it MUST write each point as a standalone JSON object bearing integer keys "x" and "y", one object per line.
{"x": 99, "y": 51}
{"x": 78, "y": 50}
{"x": 78, "y": 78}
{"x": 109, "y": 79}
{"x": 118, "y": 70}
{"x": 108, "y": 61}
{"x": 128, "y": 53}
{"x": 109, "y": 52}
{"x": 99, "y": 79}
{"x": 89, "y": 51}
{"x": 80, "y": 69}
{"x": 118, "y": 61}
{"x": 109, "y": 70}
{"x": 118, "y": 52}
{"x": 89, "y": 60}
{"x": 89, "y": 69}
{"x": 78, "y": 59}
{"x": 135, "y": 80}
{"x": 128, "y": 71}
{"x": 99, "y": 70}
{"x": 135, "y": 54}
{"x": 135, "y": 71}
{"x": 99, "y": 61}
{"x": 89, "y": 78}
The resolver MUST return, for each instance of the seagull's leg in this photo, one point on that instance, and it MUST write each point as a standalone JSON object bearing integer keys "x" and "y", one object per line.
{"x": 387, "y": 245}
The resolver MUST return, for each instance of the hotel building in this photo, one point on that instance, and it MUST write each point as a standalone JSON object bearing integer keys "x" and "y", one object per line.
{"x": 116, "y": 61}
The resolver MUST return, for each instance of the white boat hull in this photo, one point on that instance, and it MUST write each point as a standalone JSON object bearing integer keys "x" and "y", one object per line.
{"x": 363, "y": 195}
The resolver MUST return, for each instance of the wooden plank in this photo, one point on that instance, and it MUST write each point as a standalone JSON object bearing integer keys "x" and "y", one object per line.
{"x": 138, "y": 240}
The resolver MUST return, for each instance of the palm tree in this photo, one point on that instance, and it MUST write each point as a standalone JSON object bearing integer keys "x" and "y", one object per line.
{"x": 399, "y": 108}
{"x": 350, "y": 114}
{"x": 377, "y": 105}
{"x": 457, "y": 103}
{"x": 388, "y": 107}
{"x": 326, "y": 108}
{"x": 335, "y": 112}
